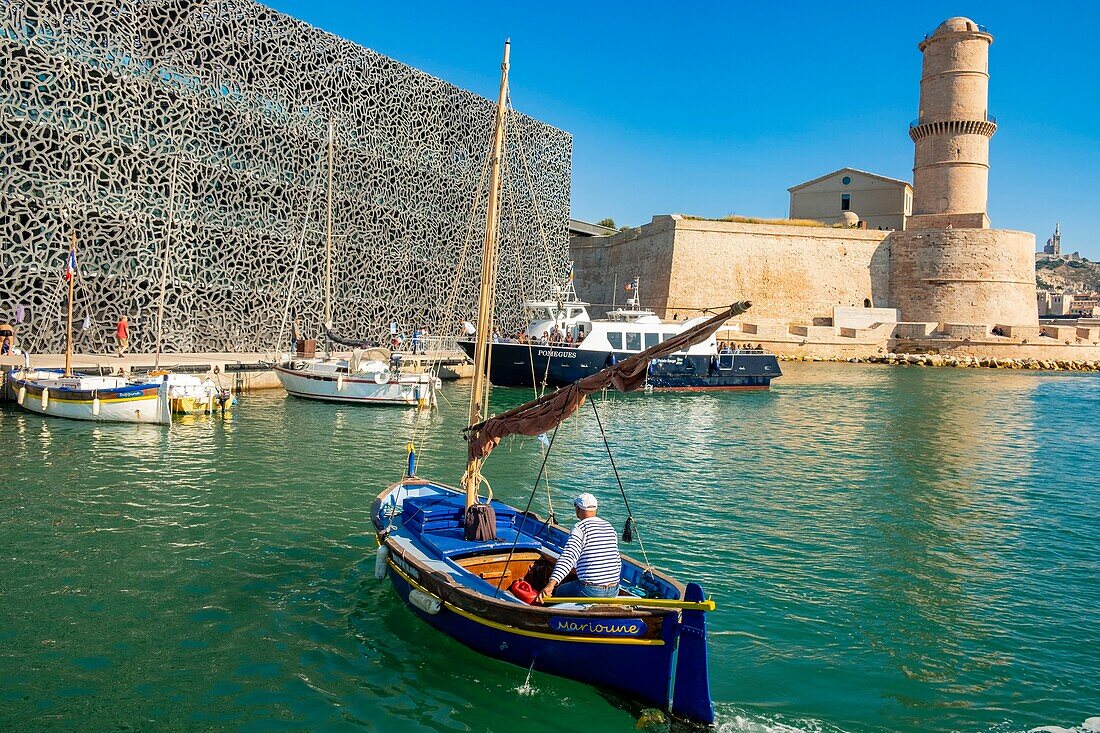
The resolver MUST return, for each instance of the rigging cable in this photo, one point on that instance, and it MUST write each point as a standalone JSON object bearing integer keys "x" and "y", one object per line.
{"x": 631, "y": 525}
{"x": 527, "y": 509}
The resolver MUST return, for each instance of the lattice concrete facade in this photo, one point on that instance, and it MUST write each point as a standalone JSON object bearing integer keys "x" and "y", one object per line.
{"x": 137, "y": 123}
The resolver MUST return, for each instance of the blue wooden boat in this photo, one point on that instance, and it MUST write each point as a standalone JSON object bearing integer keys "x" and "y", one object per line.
{"x": 656, "y": 654}
{"x": 453, "y": 555}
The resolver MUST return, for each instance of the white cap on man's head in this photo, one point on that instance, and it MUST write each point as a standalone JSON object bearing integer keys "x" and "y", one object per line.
{"x": 586, "y": 502}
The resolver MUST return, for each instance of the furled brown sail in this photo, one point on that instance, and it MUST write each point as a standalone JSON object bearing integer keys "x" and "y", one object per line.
{"x": 543, "y": 414}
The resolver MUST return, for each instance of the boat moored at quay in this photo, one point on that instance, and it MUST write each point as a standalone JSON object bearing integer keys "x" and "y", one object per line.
{"x": 563, "y": 343}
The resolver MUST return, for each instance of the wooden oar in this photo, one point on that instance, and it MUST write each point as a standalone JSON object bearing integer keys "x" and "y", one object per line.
{"x": 707, "y": 605}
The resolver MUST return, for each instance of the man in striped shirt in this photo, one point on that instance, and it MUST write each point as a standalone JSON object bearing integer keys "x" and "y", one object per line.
{"x": 593, "y": 550}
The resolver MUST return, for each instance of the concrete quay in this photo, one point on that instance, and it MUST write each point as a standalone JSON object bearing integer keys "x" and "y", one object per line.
{"x": 241, "y": 372}
{"x": 961, "y": 362}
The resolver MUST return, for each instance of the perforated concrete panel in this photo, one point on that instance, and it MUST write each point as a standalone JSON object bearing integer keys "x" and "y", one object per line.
{"x": 203, "y": 125}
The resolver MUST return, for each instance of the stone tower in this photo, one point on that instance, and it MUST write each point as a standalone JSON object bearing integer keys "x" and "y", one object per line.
{"x": 948, "y": 266}
{"x": 951, "y": 134}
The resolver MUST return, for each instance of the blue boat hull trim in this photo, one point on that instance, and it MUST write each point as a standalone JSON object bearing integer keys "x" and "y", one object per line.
{"x": 525, "y": 365}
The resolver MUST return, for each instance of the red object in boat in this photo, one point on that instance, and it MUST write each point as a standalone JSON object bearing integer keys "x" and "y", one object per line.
{"x": 522, "y": 590}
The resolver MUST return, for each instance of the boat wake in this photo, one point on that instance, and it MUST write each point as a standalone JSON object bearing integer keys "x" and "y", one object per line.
{"x": 1091, "y": 725}
{"x": 734, "y": 720}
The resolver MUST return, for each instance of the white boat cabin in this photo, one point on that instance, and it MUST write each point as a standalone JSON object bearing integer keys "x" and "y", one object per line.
{"x": 630, "y": 329}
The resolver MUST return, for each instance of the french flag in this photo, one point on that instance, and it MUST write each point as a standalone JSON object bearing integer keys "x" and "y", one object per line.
{"x": 70, "y": 265}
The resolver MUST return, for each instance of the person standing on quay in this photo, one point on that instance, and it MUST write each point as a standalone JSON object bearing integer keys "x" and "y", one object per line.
{"x": 122, "y": 335}
{"x": 7, "y": 338}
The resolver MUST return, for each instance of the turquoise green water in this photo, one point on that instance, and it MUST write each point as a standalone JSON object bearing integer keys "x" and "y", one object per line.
{"x": 890, "y": 549}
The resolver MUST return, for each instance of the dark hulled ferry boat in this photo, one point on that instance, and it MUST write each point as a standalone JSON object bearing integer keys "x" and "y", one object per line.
{"x": 563, "y": 344}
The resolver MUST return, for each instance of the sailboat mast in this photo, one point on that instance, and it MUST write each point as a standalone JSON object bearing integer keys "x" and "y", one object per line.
{"x": 164, "y": 264}
{"x": 479, "y": 394}
{"x": 328, "y": 230}
{"x": 69, "y": 318}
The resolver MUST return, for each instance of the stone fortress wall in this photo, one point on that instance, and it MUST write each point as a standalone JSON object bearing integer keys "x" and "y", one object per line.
{"x": 964, "y": 276}
{"x": 791, "y": 273}
{"x": 202, "y": 128}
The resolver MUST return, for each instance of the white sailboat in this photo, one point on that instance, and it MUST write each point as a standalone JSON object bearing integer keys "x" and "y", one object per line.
{"x": 187, "y": 394}
{"x": 367, "y": 377}
{"x": 62, "y": 393}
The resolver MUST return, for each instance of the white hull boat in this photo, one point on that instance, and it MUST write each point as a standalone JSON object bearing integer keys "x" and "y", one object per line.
{"x": 82, "y": 397}
{"x": 190, "y": 395}
{"x": 350, "y": 380}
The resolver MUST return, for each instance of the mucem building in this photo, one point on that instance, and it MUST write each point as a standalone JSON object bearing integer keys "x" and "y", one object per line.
{"x": 186, "y": 143}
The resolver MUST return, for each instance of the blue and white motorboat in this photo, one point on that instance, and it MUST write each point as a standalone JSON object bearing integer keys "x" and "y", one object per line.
{"x": 562, "y": 344}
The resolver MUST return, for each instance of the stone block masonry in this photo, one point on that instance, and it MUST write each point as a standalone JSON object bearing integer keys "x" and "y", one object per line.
{"x": 964, "y": 276}
{"x": 794, "y": 274}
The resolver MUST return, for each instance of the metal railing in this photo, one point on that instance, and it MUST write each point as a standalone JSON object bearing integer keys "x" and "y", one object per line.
{"x": 986, "y": 118}
{"x": 978, "y": 26}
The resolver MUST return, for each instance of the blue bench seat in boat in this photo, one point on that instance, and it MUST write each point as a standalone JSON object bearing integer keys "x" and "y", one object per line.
{"x": 439, "y": 522}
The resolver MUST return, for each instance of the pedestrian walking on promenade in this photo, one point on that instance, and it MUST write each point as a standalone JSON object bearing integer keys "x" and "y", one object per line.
{"x": 122, "y": 336}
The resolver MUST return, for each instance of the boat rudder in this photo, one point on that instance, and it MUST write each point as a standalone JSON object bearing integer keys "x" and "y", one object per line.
{"x": 691, "y": 684}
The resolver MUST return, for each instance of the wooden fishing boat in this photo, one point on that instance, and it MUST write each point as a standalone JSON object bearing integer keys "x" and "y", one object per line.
{"x": 87, "y": 397}
{"x": 453, "y": 556}
{"x": 63, "y": 393}
{"x": 190, "y": 395}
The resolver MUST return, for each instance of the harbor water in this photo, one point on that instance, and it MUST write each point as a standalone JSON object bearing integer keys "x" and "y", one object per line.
{"x": 890, "y": 549}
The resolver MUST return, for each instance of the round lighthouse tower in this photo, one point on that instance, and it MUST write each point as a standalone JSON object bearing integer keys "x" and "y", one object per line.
{"x": 947, "y": 267}
{"x": 951, "y": 135}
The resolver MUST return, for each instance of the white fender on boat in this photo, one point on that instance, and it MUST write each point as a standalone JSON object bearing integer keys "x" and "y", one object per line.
{"x": 381, "y": 558}
{"x": 339, "y": 382}
{"x": 210, "y": 402}
{"x": 427, "y": 603}
{"x": 22, "y": 394}
{"x": 95, "y": 405}
{"x": 45, "y": 397}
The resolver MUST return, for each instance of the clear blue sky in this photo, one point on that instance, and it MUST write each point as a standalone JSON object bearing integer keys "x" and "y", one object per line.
{"x": 717, "y": 108}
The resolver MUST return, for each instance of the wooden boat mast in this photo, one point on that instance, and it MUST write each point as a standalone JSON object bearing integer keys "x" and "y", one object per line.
{"x": 328, "y": 231}
{"x": 69, "y": 319}
{"x": 164, "y": 264}
{"x": 479, "y": 393}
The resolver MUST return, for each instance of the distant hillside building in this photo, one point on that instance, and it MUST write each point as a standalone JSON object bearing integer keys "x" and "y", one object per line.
{"x": 1054, "y": 244}
{"x": 884, "y": 203}
{"x": 1053, "y": 248}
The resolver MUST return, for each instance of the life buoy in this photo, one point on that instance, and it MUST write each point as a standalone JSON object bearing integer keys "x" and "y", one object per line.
{"x": 381, "y": 377}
